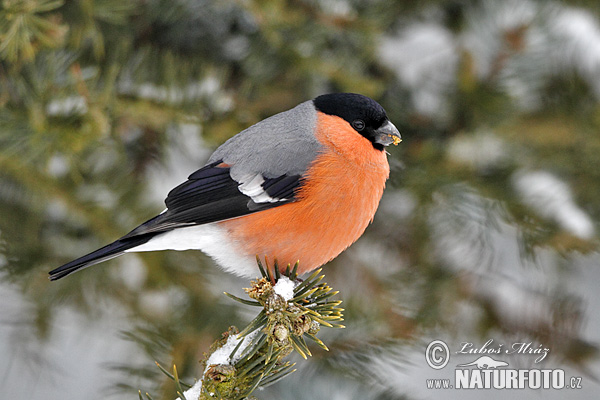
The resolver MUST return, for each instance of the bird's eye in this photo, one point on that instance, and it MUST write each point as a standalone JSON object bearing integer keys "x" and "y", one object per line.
{"x": 358, "y": 124}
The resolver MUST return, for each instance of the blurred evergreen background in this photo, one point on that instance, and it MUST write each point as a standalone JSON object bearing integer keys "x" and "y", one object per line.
{"x": 487, "y": 230}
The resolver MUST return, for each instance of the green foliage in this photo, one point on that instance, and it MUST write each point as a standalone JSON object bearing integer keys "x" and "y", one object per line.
{"x": 279, "y": 328}
{"x": 98, "y": 99}
{"x": 26, "y": 26}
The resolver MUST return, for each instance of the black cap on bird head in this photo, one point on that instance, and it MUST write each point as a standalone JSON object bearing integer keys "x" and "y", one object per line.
{"x": 365, "y": 115}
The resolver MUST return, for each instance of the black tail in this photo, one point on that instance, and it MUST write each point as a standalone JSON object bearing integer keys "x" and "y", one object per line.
{"x": 107, "y": 252}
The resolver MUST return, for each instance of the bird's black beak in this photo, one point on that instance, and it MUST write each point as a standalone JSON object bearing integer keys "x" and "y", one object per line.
{"x": 387, "y": 134}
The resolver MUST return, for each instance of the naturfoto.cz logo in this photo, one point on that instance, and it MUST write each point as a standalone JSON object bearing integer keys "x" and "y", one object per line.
{"x": 488, "y": 371}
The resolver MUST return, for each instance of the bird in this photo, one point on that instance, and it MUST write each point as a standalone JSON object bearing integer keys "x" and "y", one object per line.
{"x": 299, "y": 186}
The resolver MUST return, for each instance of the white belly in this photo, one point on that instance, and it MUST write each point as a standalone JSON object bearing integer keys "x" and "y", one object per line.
{"x": 209, "y": 238}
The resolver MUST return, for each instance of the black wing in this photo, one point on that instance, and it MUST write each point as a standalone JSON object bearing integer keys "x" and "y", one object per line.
{"x": 209, "y": 195}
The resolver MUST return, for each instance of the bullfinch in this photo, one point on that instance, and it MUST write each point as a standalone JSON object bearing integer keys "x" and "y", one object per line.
{"x": 300, "y": 185}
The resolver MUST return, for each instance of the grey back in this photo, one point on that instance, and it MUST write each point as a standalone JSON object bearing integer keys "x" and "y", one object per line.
{"x": 283, "y": 144}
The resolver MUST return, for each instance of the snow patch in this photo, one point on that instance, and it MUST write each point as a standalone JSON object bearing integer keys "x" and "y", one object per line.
{"x": 481, "y": 151}
{"x": 222, "y": 354}
{"x": 552, "y": 198}
{"x": 285, "y": 288}
{"x": 193, "y": 393}
{"x": 68, "y": 106}
{"x": 425, "y": 58}
{"x": 580, "y": 34}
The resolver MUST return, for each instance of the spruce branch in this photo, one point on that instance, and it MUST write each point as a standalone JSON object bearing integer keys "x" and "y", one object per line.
{"x": 25, "y": 27}
{"x": 240, "y": 362}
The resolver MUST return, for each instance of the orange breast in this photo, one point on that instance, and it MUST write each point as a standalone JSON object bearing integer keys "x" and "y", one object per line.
{"x": 338, "y": 200}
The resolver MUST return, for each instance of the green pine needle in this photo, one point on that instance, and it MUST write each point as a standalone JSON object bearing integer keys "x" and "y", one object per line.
{"x": 318, "y": 341}
{"x": 178, "y": 384}
{"x": 255, "y": 324}
{"x": 243, "y": 301}
{"x": 281, "y": 325}
{"x": 171, "y": 376}
{"x": 260, "y": 267}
